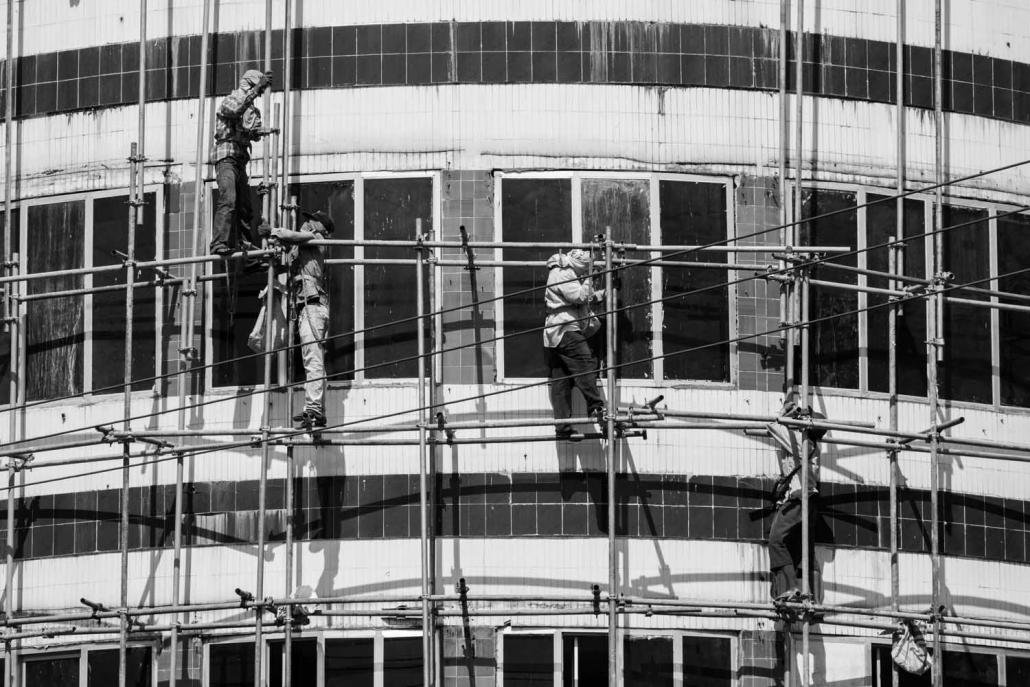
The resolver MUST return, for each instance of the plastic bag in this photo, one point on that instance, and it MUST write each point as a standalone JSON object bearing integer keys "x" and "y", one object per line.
{"x": 256, "y": 340}
{"x": 909, "y": 651}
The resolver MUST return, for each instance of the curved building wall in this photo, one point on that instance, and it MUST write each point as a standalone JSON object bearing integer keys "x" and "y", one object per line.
{"x": 541, "y": 122}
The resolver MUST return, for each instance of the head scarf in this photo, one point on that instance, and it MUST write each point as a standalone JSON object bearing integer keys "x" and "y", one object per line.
{"x": 251, "y": 78}
{"x": 577, "y": 260}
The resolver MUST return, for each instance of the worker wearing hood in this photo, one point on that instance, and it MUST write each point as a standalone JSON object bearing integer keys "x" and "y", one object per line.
{"x": 568, "y": 325}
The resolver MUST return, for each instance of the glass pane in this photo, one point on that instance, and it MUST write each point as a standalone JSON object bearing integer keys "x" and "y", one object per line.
{"x": 695, "y": 327}
{"x": 584, "y": 660}
{"x": 336, "y": 198}
{"x": 349, "y": 663}
{"x": 965, "y": 371}
{"x": 53, "y": 672}
{"x": 231, "y": 665}
{"x": 1013, "y": 255}
{"x": 707, "y": 662}
{"x": 625, "y": 206}
{"x": 834, "y": 342}
{"x": 303, "y": 667}
{"x": 391, "y": 208}
{"x": 5, "y": 337}
{"x": 534, "y": 211}
{"x": 55, "y": 326}
{"x": 103, "y": 667}
{"x": 911, "y": 322}
{"x": 1017, "y": 670}
{"x": 234, "y": 311}
{"x": 648, "y": 662}
{"x": 529, "y": 661}
{"x": 110, "y": 224}
{"x": 402, "y": 662}
{"x": 966, "y": 669}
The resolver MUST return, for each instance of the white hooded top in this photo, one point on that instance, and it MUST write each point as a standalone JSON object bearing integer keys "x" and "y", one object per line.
{"x": 567, "y": 297}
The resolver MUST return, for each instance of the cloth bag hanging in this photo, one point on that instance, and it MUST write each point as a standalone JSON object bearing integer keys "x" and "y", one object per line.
{"x": 256, "y": 340}
{"x": 909, "y": 651}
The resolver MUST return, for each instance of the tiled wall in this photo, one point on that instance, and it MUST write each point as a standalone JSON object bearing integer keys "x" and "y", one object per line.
{"x": 524, "y": 52}
{"x": 570, "y": 504}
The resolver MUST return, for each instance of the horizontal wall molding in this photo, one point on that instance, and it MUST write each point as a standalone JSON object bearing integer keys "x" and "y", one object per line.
{"x": 499, "y": 505}
{"x": 666, "y": 55}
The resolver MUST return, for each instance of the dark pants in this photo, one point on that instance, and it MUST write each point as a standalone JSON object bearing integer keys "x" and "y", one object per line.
{"x": 233, "y": 211}
{"x": 572, "y": 364}
{"x": 785, "y": 544}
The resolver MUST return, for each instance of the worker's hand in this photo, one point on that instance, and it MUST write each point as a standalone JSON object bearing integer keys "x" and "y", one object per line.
{"x": 265, "y": 82}
{"x": 264, "y": 230}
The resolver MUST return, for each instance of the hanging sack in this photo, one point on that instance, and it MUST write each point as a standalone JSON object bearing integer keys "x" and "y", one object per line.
{"x": 256, "y": 340}
{"x": 909, "y": 651}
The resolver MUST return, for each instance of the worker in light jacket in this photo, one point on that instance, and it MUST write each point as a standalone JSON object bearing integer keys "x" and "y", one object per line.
{"x": 238, "y": 124}
{"x": 569, "y": 324}
{"x": 310, "y": 300}
{"x": 785, "y": 545}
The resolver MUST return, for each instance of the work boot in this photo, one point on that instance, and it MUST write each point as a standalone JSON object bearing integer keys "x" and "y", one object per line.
{"x": 567, "y": 433}
{"x": 222, "y": 251}
{"x": 309, "y": 419}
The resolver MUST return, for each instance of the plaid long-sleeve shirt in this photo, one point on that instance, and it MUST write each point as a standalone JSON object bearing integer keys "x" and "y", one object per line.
{"x": 237, "y": 123}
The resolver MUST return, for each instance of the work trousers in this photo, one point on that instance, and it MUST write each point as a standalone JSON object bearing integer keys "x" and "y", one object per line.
{"x": 572, "y": 363}
{"x": 312, "y": 323}
{"x": 233, "y": 211}
{"x": 785, "y": 543}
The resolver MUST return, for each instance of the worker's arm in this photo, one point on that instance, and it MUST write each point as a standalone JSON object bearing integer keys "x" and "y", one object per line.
{"x": 573, "y": 292}
{"x": 290, "y": 236}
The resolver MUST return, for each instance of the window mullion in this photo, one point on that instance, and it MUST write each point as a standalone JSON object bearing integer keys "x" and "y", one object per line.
{"x": 657, "y": 311}
{"x": 861, "y": 241}
{"x": 87, "y": 300}
{"x": 359, "y": 280}
{"x": 992, "y": 252}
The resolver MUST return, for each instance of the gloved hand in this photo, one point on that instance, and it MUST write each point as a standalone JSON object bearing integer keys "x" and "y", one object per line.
{"x": 264, "y": 230}
{"x": 264, "y": 82}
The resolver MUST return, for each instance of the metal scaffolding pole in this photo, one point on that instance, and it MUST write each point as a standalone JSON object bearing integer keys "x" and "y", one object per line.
{"x": 611, "y": 454}
{"x": 936, "y": 345}
{"x": 290, "y": 468}
{"x": 10, "y": 674}
{"x": 806, "y": 466}
{"x": 423, "y": 481}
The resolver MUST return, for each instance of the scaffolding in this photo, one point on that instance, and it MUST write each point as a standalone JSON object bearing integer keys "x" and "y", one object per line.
{"x": 622, "y": 422}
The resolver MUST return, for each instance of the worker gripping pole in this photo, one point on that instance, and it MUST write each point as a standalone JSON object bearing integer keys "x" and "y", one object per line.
{"x": 805, "y": 463}
{"x": 423, "y": 420}
{"x": 609, "y": 421}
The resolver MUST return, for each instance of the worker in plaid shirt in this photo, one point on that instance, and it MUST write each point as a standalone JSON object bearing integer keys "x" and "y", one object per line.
{"x": 238, "y": 124}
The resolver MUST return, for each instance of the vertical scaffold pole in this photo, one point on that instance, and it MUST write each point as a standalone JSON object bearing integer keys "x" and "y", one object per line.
{"x": 10, "y": 316}
{"x": 783, "y": 188}
{"x": 613, "y": 554}
{"x": 10, "y": 673}
{"x": 423, "y": 481}
{"x": 290, "y": 467}
{"x": 896, "y": 266}
{"x": 802, "y": 310}
{"x": 935, "y": 348}
{"x": 806, "y": 506}
{"x": 266, "y": 420}
{"x": 284, "y": 123}
{"x": 8, "y": 303}
{"x": 187, "y": 352}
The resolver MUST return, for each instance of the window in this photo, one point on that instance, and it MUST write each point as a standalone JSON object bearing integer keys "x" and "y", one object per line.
{"x": 661, "y": 334}
{"x": 961, "y": 668}
{"x": 647, "y": 662}
{"x": 1014, "y": 327}
{"x": 102, "y": 667}
{"x": 528, "y": 661}
{"x": 76, "y": 344}
{"x": 402, "y": 661}
{"x": 1017, "y": 670}
{"x": 584, "y": 660}
{"x": 303, "y": 667}
{"x": 707, "y": 661}
{"x": 349, "y": 662}
{"x": 231, "y": 665}
{"x": 51, "y": 671}
{"x": 360, "y": 296}
{"x": 5, "y": 337}
{"x": 88, "y": 667}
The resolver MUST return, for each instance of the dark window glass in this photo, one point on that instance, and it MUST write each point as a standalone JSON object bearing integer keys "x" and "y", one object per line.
{"x": 231, "y": 665}
{"x": 103, "y": 667}
{"x": 402, "y": 662}
{"x": 55, "y": 326}
{"x": 648, "y": 662}
{"x": 1017, "y": 670}
{"x": 392, "y": 207}
{"x": 625, "y": 206}
{"x": 696, "y": 327}
{"x": 532, "y": 211}
{"x": 5, "y": 336}
{"x": 965, "y": 372}
{"x": 53, "y": 672}
{"x": 528, "y": 661}
{"x": 349, "y": 663}
{"x": 234, "y": 311}
{"x": 834, "y": 341}
{"x": 1013, "y": 255}
{"x": 584, "y": 660}
{"x": 707, "y": 661}
{"x": 960, "y": 668}
{"x": 911, "y": 322}
{"x": 337, "y": 199}
{"x": 303, "y": 667}
{"x": 110, "y": 227}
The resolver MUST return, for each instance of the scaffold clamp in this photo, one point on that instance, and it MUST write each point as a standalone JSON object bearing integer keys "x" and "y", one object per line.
{"x": 94, "y": 606}
{"x": 595, "y": 590}
{"x": 441, "y": 425}
{"x": 245, "y": 597}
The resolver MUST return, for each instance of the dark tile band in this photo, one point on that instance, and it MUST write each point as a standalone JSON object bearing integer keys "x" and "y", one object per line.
{"x": 524, "y": 52}
{"x": 700, "y": 507}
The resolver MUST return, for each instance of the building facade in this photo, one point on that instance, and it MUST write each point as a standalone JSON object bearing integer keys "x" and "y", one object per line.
{"x": 657, "y": 123}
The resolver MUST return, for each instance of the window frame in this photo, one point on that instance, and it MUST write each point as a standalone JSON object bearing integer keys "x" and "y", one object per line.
{"x": 657, "y": 311}
{"x": 999, "y": 653}
{"x": 160, "y": 228}
{"x": 82, "y": 651}
{"x": 358, "y": 181}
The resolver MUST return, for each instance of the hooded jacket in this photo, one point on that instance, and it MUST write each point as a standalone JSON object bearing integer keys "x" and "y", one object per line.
{"x": 567, "y": 297}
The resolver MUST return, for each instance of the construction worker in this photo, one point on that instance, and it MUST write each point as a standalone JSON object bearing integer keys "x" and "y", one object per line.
{"x": 311, "y": 308}
{"x": 785, "y": 545}
{"x": 567, "y": 328}
{"x": 238, "y": 124}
